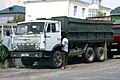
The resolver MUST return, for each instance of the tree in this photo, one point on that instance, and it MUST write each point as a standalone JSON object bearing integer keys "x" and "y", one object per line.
{"x": 19, "y": 18}
{"x": 4, "y": 53}
{"x": 100, "y": 14}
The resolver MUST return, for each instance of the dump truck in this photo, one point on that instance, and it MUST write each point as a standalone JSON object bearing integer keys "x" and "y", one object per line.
{"x": 40, "y": 40}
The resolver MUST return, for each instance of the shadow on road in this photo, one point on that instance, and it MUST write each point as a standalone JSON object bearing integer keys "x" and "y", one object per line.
{"x": 71, "y": 61}
{"x": 74, "y": 60}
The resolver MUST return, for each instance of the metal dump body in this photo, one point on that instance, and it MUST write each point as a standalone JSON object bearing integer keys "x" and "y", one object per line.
{"x": 86, "y": 30}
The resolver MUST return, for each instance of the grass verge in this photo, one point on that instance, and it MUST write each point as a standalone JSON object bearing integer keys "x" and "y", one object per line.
{"x": 2, "y": 66}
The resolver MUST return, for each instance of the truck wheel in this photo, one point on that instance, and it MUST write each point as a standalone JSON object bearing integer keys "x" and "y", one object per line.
{"x": 89, "y": 55}
{"x": 57, "y": 59}
{"x": 110, "y": 55}
{"x": 100, "y": 54}
{"x": 27, "y": 62}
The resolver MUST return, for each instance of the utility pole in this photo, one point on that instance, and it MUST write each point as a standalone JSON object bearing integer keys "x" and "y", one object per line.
{"x": 68, "y": 6}
{"x": 100, "y": 2}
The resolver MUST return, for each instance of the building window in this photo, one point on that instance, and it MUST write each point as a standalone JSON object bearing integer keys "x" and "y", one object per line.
{"x": 93, "y": 12}
{"x": 83, "y": 12}
{"x": 75, "y": 10}
{"x": 96, "y": 2}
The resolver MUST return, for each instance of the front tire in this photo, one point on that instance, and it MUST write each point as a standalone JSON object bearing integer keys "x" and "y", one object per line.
{"x": 57, "y": 59}
{"x": 27, "y": 62}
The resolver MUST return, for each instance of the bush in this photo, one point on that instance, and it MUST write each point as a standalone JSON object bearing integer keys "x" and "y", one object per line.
{"x": 2, "y": 66}
{"x": 3, "y": 55}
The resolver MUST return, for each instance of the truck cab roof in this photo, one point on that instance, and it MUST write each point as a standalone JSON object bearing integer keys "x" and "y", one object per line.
{"x": 49, "y": 21}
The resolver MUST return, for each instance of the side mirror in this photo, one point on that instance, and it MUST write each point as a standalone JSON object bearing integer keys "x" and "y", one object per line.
{"x": 8, "y": 33}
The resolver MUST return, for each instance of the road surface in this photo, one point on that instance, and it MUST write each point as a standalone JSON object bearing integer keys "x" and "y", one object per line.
{"x": 108, "y": 70}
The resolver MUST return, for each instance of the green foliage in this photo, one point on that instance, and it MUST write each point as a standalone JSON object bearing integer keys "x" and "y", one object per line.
{"x": 100, "y": 14}
{"x": 3, "y": 53}
{"x": 18, "y": 18}
{"x": 2, "y": 66}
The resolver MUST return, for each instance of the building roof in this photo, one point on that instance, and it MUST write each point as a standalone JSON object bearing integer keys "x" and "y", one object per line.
{"x": 103, "y": 7}
{"x": 34, "y": 1}
{"x": 115, "y": 11}
{"x": 13, "y": 9}
{"x": 80, "y": 1}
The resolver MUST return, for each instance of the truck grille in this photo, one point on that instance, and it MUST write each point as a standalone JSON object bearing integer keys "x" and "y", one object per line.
{"x": 26, "y": 47}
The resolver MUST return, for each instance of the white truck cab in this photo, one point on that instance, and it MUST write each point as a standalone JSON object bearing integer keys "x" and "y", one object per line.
{"x": 32, "y": 40}
{"x": 44, "y": 35}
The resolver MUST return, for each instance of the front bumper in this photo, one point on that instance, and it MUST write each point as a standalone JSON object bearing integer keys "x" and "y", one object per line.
{"x": 114, "y": 49}
{"x": 30, "y": 54}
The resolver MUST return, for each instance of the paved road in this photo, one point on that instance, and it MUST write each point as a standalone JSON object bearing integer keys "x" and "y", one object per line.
{"x": 108, "y": 70}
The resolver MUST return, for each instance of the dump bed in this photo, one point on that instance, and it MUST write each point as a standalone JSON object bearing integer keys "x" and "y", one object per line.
{"x": 86, "y": 30}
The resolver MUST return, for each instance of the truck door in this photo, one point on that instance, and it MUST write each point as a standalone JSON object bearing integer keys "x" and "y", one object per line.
{"x": 53, "y": 35}
{"x": 7, "y": 30}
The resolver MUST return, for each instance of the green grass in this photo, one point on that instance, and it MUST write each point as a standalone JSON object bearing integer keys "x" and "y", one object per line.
{"x": 2, "y": 66}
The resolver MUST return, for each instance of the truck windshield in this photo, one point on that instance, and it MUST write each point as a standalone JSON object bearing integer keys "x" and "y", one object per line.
{"x": 116, "y": 31}
{"x": 30, "y": 28}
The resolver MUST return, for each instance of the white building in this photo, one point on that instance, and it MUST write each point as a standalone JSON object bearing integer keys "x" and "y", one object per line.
{"x": 71, "y": 8}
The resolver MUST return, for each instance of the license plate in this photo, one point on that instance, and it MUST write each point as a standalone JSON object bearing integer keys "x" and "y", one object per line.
{"x": 24, "y": 54}
{"x": 113, "y": 49}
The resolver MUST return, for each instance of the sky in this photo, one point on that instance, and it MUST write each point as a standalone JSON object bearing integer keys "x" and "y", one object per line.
{"x": 107, "y": 3}
{"x": 1, "y": 4}
{"x": 111, "y": 3}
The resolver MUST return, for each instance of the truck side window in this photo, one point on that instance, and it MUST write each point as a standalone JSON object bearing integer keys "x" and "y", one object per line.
{"x": 48, "y": 28}
{"x": 7, "y": 28}
{"x": 53, "y": 27}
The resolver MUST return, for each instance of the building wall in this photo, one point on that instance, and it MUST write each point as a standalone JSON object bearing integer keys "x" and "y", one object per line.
{"x": 76, "y": 9}
{"x": 53, "y": 9}
{"x": 80, "y": 12}
{"x": 6, "y": 18}
{"x": 46, "y": 10}
{"x": 116, "y": 19}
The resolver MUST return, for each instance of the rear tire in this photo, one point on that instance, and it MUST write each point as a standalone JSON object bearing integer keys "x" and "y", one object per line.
{"x": 89, "y": 55}
{"x": 57, "y": 59}
{"x": 27, "y": 62}
{"x": 100, "y": 54}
